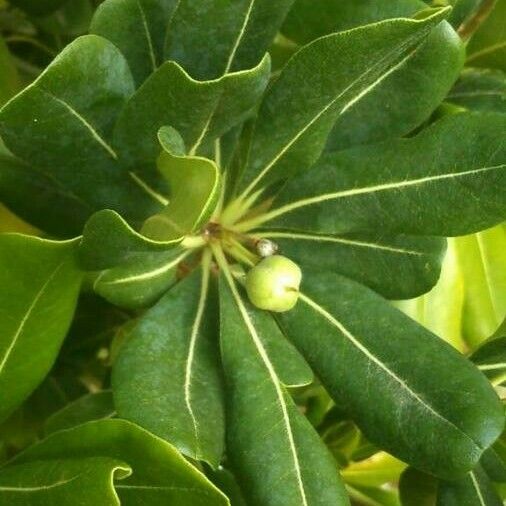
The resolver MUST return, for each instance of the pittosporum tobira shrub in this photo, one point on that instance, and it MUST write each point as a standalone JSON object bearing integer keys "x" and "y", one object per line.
{"x": 175, "y": 169}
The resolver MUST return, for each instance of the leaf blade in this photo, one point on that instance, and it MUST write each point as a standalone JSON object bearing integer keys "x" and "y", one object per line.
{"x": 185, "y": 407}
{"x": 406, "y": 170}
{"x": 405, "y": 393}
{"x": 290, "y": 136}
{"x": 160, "y": 473}
{"x": 38, "y": 306}
{"x": 269, "y": 482}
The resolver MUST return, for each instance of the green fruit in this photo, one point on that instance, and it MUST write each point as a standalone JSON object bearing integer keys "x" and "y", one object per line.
{"x": 273, "y": 284}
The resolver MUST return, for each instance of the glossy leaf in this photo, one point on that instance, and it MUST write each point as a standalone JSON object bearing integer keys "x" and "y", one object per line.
{"x": 167, "y": 377}
{"x": 480, "y": 89}
{"x": 475, "y": 489}
{"x": 40, "y": 283}
{"x": 299, "y": 470}
{"x": 62, "y": 123}
{"x": 108, "y": 240}
{"x": 311, "y": 19}
{"x": 397, "y": 267}
{"x": 195, "y": 184}
{"x": 168, "y": 95}
{"x": 89, "y": 407}
{"x": 138, "y": 29}
{"x": 61, "y": 481}
{"x": 240, "y": 33}
{"x": 487, "y": 47}
{"x": 142, "y": 281}
{"x": 410, "y": 98}
{"x": 160, "y": 474}
{"x": 445, "y": 181}
{"x": 402, "y": 409}
{"x": 439, "y": 60}
{"x": 320, "y": 83}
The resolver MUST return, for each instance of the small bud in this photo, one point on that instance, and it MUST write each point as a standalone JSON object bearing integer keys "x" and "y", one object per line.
{"x": 273, "y": 284}
{"x": 266, "y": 248}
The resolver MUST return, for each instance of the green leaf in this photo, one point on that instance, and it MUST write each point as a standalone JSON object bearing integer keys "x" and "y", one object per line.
{"x": 62, "y": 481}
{"x": 160, "y": 474}
{"x": 40, "y": 200}
{"x": 475, "y": 489}
{"x": 480, "y": 90}
{"x": 108, "y": 240}
{"x": 445, "y": 181}
{"x": 168, "y": 95}
{"x": 235, "y": 37}
{"x": 400, "y": 408}
{"x": 142, "y": 281}
{"x": 482, "y": 260}
{"x": 138, "y": 29}
{"x": 462, "y": 10}
{"x": 311, "y": 19}
{"x": 369, "y": 496}
{"x": 373, "y": 472}
{"x": 438, "y": 60}
{"x": 487, "y": 47}
{"x": 9, "y": 79}
{"x": 37, "y": 302}
{"x": 62, "y": 124}
{"x": 440, "y": 310}
{"x": 273, "y": 449}
{"x": 92, "y": 406}
{"x": 167, "y": 377}
{"x": 195, "y": 184}
{"x": 319, "y": 84}
{"x": 398, "y": 267}
{"x": 490, "y": 358}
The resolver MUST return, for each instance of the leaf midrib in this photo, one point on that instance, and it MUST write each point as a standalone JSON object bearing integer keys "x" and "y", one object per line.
{"x": 336, "y": 239}
{"x": 27, "y": 315}
{"x": 145, "y": 275}
{"x": 322, "y": 311}
{"x": 292, "y": 206}
{"x": 477, "y": 488}
{"x": 398, "y": 50}
{"x": 148, "y": 35}
{"x": 204, "y": 290}
{"x": 272, "y": 373}
{"x": 41, "y": 487}
{"x": 98, "y": 138}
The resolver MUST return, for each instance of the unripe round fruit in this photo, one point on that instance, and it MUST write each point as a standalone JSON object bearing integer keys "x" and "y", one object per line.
{"x": 273, "y": 284}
